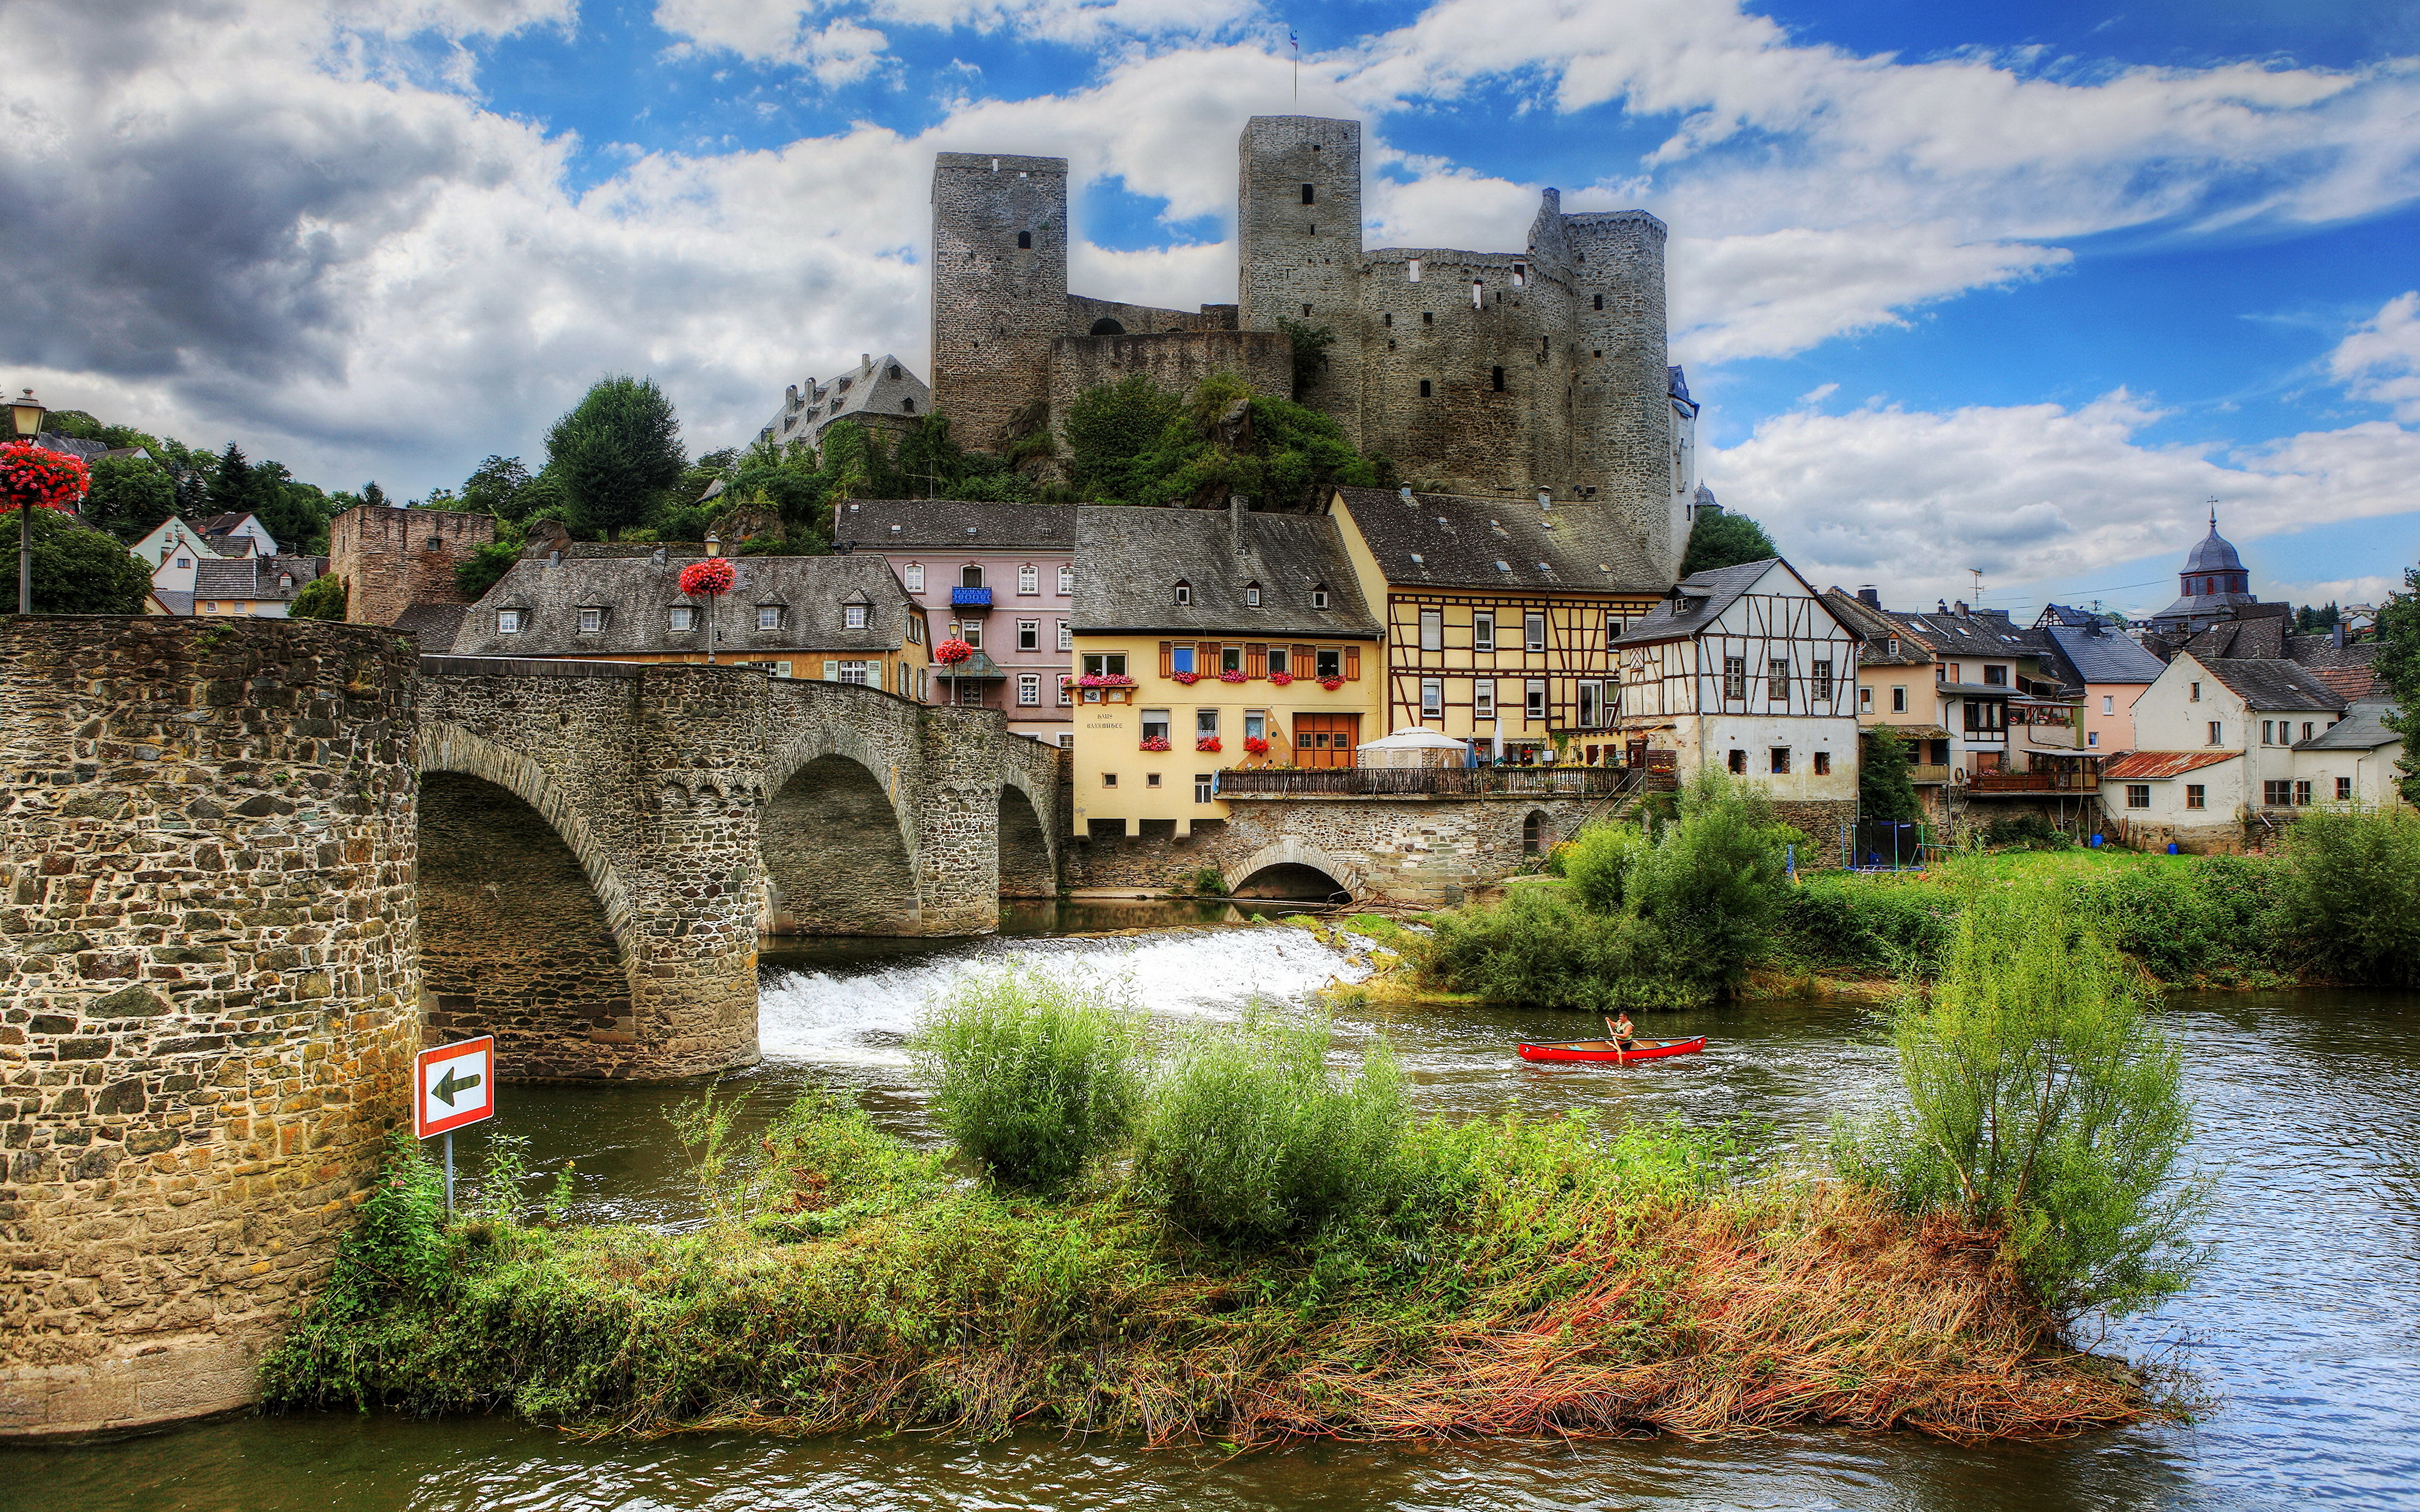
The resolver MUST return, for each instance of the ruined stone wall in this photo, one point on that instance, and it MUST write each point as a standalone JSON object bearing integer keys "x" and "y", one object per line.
{"x": 1145, "y": 320}
{"x": 1175, "y": 361}
{"x": 205, "y": 1007}
{"x": 996, "y": 305}
{"x": 1302, "y": 262}
{"x": 391, "y": 558}
{"x": 1824, "y": 821}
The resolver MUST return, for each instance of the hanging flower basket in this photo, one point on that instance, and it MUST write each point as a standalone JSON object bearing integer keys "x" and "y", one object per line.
{"x": 1207, "y": 743}
{"x": 1332, "y": 684}
{"x": 1154, "y": 743}
{"x": 1231, "y": 677}
{"x": 1188, "y": 679}
{"x": 951, "y": 652}
{"x": 39, "y": 476}
{"x": 710, "y": 578}
{"x": 1108, "y": 680}
{"x": 1254, "y": 745}
{"x": 1281, "y": 679}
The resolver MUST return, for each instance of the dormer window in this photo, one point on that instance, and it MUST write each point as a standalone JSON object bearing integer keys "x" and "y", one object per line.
{"x": 895, "y": 372}
{"x": 682, "y": 618}
{"x": 1319, "y": 597}
{"x": 592, "y": 619}
{"x": 1183, "y": 592}
{"x": 509, "y": 621}
{"x": 853, "y": 616}
{"x": 1893, "y": 643}
{"x": 1252, "y": 595}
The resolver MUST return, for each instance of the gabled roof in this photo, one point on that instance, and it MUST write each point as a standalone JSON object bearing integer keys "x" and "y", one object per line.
{"x": 1133, "y": 558}
{"x": 1458, "y": 541}
{"x": 2362, "y": 727}
{"x": 253, "y": 577}
{"x": 1697, "y": 601}
{"x": 942, "y": 524}
{"x": 2096, "y": 653}
{"x": 2156, "y": 765}
{"x": 432, "y": 627}
{"x": 1878, "y": 630}
{"x": 637, "y": 592}
{"x": 2272, "y": 685}
{"x": 1971, "y": 632}
{"x": 2262, "y": 637}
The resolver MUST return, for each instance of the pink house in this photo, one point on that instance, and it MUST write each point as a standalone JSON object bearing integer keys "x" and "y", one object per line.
{"x": 1001, "y": 577}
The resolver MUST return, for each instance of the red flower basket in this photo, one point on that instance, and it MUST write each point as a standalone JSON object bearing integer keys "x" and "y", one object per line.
{"x": 951, "y": 652}
{"x": 1188, "y": 679}
{"x": 710, "y": 578}
{"x": 1231, "y": 677}
{"x": 1256, "y": 746}
{"x": 1104, "y": 680}
{"x": 1154, "y": 743}
{"x": 37, "y": 475}
{"x": 1332, "y": 684}
{"x": 1281, "y": 679}
{"x": 1207, "y": 743}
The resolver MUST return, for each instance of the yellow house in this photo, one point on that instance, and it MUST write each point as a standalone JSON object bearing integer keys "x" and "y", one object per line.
{"x": 1208, "y": 639}
{"x": 1500, "y": 615}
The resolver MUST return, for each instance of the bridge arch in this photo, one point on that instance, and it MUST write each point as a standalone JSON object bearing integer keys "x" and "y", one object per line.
{"x": 1289, "y": 850}
{"x": 1029, "y": 852}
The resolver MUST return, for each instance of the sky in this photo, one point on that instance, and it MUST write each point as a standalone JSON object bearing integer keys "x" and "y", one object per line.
{"x": 1971, "y": 293}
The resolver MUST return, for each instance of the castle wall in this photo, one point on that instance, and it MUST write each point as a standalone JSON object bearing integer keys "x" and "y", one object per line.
{"x": 205, "y": 1008}
{"x": 1624, "y": 407}
{"x": 1302, "y": 262}
{"x": 1175, "y": 361}
{"x": 1145, "y": 320}
{"x": 996, "y": 306}
{"x": 391, "y": 558}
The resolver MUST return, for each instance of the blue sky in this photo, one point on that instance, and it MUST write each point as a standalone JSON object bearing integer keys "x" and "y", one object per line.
{"x": 1962, "y": 285}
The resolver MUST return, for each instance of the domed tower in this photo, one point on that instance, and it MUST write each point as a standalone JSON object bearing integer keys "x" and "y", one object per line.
{"x": 2213, "y": 584}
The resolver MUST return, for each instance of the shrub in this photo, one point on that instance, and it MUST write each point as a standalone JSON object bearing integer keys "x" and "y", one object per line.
{"x": 1598, "y": 860}
{"x": 1714, "y": 880}
{"x": 2355, "y": 898}
{"x": 2043, "y": 1099}
{"x": 1249, "y": 1136}
{"x": 2214, "y": 916}
{"x": 321, "y": 598}
{"x": 1029, "y": 1076}
{"x": 2030, "y": 831}
{"x": 1869, "y": 924}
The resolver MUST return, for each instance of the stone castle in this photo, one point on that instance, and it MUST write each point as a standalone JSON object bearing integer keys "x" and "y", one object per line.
{"x": 1504, "y": 374}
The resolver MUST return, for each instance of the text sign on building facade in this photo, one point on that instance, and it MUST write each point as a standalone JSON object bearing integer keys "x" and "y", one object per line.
{"x": 453, "y": 1085}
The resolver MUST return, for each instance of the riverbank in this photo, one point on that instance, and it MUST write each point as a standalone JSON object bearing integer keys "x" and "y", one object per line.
{"x": 1536, "y": 1278}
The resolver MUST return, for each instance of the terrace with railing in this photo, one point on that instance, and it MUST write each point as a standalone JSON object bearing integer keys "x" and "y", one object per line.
{"x": 1440, "y": 781}
{"x": 1983, "y": 784}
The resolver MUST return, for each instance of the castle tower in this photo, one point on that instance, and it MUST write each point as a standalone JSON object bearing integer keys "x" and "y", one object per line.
{"x": 1299, "y": 237}
{"x": 1622, "y": 403}
{"x": 1000, "y": 289}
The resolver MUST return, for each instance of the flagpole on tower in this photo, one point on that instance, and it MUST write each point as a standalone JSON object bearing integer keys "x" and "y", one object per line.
{"x": 1296, "y": 42}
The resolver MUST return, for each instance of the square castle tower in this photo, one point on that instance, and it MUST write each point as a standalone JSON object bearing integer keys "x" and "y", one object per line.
{"x": 1500, "y": 375}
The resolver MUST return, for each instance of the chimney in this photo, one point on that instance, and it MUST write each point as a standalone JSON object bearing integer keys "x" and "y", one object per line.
{"x": 1405, "y": 493}
{"x": 1236, "y": 521}
{"x": 864, "y": 360}
{"x": 2335, "y": 636}
{"x": 1545, "y": 499}
{"x": 1962, "y": 608}
{"x": 1869, "y": 597}
{"x": 1941, "y": 605}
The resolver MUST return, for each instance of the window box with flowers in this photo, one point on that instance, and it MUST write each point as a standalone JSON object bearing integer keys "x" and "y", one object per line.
{"x": 1106, "y": 687}
{"x": 1281, "y": 679}
{"x": 1154, "y": 743}
{"x": 1231, "y": 675}
{"x": 1208, "y": 744}
{"x": 1332, "y": 684}
{"x": 1255, "y": 745}
{"x": 1188, "y": 679}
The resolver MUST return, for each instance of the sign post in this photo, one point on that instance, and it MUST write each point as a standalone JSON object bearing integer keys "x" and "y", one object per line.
{"x": 452, "y": 1086}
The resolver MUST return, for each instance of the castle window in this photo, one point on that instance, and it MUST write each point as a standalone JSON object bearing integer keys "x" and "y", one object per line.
{"x": 1520, "y": 275}
{"x": 1496, "y": 378}
{"x": 1306, "y": 312}
{"x": 1477, "y": 294}
{"x": 1412, "y": 269}
{"x": 1106, "y": 326}
{"x": 1600, "y": 301}
{"x": 1428, "y": 317}
{"x": 1424, "y": 388}
{"x": 1024, "y": 240}
{"x": 1308, "y": 196}
{"x": 1388, "y": 319}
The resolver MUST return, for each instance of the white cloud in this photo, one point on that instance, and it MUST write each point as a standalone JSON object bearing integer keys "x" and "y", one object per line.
{"x": 780, "y": 31}
{"x": 2381, "y": 359}
{"x": 2368, "y": 590}
{"x": 2033, "y": 493}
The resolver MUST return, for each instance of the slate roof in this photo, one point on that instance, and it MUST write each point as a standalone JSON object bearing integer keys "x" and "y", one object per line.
{"x": 865, "y": 390}
{"x": 253, "y": 577}
{"x": 1133, "y": 558}
{"x": 2213, "y": 553}
{"x": 638, "y": 592}
{"x": 2349, "y": 670}
{"x": 1696, "y": 602}
{"x": 1877, "y": 629}
{"x": 2090, "y": 654}
{"x": 2272, "y": 685}
{"x": 174, "y": 601}
{"x": 432, "y": 627}
{"x": 2362, "y": 727}
{"x": 2154, "y": 766}
{"x": 938, "y": 524}
{"x": 1456, "y": 541}
{"x": 1971, "y": 632}
{"x": 2262, "y": 637}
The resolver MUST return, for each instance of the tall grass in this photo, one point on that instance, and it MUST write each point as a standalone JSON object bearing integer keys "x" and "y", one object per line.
{"x": 1031, "y": 1076}
{"x": 2043, "y": 1100}
{"x": 1249, "y": 1134}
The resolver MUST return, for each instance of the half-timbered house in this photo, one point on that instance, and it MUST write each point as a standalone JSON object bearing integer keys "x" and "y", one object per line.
{"x": 1745, "y": 669}
{"x": 1500, "y": 615}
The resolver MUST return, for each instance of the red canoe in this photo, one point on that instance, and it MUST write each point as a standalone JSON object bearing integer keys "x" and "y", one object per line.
{"x": 1604, "y": 1050}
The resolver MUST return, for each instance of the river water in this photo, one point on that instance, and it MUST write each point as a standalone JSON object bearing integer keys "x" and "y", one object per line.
{"x": 2303, "y": 1340}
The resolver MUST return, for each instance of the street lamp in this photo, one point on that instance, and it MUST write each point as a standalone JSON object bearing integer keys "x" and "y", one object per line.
{"x": 26, "y": 415}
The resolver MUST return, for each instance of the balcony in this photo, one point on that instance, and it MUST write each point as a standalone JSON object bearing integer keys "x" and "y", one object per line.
{"x": 1984, "y": 784}
{"x": 976, "y": 598}
{"x": 1440, "y": 781}
{"x": 1924, "y": 772}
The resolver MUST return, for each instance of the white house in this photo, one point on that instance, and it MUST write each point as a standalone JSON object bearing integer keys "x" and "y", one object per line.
{"x": 1745, "y": 668}
{"x": 2214, "y": 747}
{"x": 171, "y": 550}
{"x": 2353, "y": 761}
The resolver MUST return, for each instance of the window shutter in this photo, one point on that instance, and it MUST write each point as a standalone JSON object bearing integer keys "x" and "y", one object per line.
{"x": 1352, "y": 662}
{"x": 1256, "y": 661}
{"x": 1303, "y": 662}
{"x": 1167, "y": 660}
{"x": 1206, "y": 658}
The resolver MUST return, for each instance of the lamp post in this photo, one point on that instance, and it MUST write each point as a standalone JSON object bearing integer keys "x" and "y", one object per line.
{"x": 26, "y": 415}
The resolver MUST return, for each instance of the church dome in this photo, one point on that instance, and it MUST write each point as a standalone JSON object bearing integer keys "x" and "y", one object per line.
{"x": 2212, "y": 553}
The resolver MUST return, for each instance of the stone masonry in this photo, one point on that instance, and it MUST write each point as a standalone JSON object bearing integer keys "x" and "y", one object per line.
{"x": 205, "y": 998}
{"x": 392, "y": 559}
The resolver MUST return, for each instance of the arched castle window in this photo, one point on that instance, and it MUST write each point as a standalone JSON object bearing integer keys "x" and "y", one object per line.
{"x": 908, "y": 406}
{"x": 1024, "y": 240}
{"x": 1105, "y": 326}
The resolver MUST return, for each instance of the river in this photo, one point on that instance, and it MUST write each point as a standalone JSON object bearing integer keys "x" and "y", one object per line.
{"x": 2303, "y": 1337}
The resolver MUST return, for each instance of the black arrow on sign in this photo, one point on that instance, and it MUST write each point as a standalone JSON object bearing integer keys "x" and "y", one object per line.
{"x": 450, "y": 1083}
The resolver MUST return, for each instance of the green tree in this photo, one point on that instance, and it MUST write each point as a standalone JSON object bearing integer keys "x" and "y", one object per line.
{"x": 2399, "y": 667}
{"x": 496, "y": 488}
{"x": 1726, "y": 541}
{"x": 1883, "y": 788}
{"x": 230, "y": 483}
{"x": 1112, "y": 431}
{"x": 616, "y": 453}
{"x": 1311, "y": 344}
{"x": 373, "y": 496}
{"x": 322, "y": 598}
{"x": 77, "y": 570}
{"x": 2353, "y": 894}
{"x": 1219, "y": 441}
{"x": 477, "y": 573}
{"x": 129, "y": 497}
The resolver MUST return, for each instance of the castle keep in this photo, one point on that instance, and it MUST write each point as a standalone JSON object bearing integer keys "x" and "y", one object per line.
{"x": 1489, "y": 373}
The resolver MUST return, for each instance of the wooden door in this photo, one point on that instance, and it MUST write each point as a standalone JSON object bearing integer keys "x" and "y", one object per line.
{"x": 1326, "y": 739}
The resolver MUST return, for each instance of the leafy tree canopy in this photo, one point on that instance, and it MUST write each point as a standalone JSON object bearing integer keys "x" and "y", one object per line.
{"x": 1884, "y": 789}
{"x": 77, "y": 570}
{"x": 2399, "y": 667}
{"x": 1132, "y": 443}
{"x": 616, "y": 453}
{"x": 129, "y": 497}
{"x": 1726, "y": 541}
{"x": 322, "y": 598}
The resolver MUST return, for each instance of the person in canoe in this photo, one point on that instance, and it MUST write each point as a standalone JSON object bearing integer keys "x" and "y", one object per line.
{"x": 1624, "y": 1033}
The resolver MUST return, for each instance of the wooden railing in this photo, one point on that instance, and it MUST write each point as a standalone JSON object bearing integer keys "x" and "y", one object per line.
{"x": 1438, "y": 782}
{"x": 2034, "y": 783}
{"x": 1922, "y": 772}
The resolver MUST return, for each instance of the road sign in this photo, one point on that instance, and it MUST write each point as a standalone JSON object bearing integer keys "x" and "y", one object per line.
{"x": 453, "y": 1085}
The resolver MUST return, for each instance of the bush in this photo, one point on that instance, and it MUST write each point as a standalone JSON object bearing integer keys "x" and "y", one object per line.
{"x": 2028, "y": 831}
{"x": 2041, "y": 1099}
{"x": 1249, "y": 1136}
{"x": 1597, "y": 862}
{"x": 1869, "y": 924}
{"x": 1029, "y": 1076}
{"x": 321, "y": 598}
{"x": 2219, "y": 917}
{"x": 1539, "y": 948}
{"x": 1714, "y": 881}
{"x": 76, "y": 570}
{"x": 2355, "y": 898}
